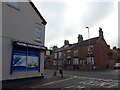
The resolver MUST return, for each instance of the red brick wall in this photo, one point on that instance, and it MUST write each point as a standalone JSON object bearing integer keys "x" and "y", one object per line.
{"x": 100, "y": 52}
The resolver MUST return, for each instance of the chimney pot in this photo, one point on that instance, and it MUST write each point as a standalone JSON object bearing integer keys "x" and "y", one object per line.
{"x": 66, "y": 42}
{"x": 80, "y": 38}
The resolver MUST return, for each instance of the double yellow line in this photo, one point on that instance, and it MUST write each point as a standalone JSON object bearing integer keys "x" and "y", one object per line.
{"x": 45, "y": 84}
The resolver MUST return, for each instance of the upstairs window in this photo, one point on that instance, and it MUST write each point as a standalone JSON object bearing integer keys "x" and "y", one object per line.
{"x": 55, "y": 55}
{"x": 68, "y": 53}
{"x": 60, "y": 54}
{"x": 90, "y": 49}
{"x": 14, "y": 3}
{"x": 38, "y": 34}
{"x": 76, "y": 52}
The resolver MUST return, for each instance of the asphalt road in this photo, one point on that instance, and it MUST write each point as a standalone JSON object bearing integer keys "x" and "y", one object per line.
{"x": 72, "y": 80}
{"x": 82, "y": 80}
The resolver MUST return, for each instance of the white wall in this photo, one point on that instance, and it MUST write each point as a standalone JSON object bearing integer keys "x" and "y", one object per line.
{"x": 19, "y": 25}
{"x": 7, "y": 64}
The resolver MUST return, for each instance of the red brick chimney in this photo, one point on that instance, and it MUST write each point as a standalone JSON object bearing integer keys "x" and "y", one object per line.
{"x": 54, "y": 48}
{"x": 101, "y": 33}
{"x": 80, "y": 38}
{"x": 66, "y": 42}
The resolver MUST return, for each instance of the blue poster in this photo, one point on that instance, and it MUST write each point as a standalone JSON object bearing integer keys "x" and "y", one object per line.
{"x": 32, "y": 61}
{"x": 19, "y": 61}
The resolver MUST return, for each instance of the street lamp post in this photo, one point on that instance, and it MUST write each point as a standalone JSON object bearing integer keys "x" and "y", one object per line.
{"x": 89, "y": 47}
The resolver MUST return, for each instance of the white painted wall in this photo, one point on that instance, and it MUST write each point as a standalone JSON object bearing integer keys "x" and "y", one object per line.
{"x": 19, "y": 25}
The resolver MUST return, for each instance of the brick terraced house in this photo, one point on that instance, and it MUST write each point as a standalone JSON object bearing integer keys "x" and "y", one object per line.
{"x": 85, "y": 54}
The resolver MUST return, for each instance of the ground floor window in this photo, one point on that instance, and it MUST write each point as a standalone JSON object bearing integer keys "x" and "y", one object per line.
{"x": 25, "y": 57}
{"x": 90, "y": 60}
{"x": 82, "y": 61}
{"x": 25, "y": 61}
{"x": 68, "y": 62}
{"x": 60, "y": 62}
{"x": 55, "y": 63}
{"x": 75, "y": 61}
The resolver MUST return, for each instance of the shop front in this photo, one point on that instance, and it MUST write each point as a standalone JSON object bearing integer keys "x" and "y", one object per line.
{"x": 26, "y": 56}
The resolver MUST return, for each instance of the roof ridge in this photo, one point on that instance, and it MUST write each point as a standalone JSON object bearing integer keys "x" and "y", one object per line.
{"x": 91, "y": 38}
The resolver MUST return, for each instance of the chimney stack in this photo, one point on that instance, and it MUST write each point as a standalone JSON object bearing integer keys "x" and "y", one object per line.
{"x": 66, "y": 42}
{"x": 54, "y": 48}
{"x": 114, "y": 48}
{"x": 101, "y": 33}
{"x": 80, "y": 38}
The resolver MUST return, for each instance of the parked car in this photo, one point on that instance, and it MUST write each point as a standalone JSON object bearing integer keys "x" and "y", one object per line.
{"x": 117, "y": 65}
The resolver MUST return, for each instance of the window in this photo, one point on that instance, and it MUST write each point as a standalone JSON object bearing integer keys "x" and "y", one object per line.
{"x": 68, "y": 61}
{"x": 68, "y": 53}
{"x": 90, "y": 49}
{"x": 82, "y": 61}
{"x": 90, "y": 60}
{"x": 14, "y": 3}
{"x": 38, "y": 34}
{"x": 54, "y": 63}
{"x": 75, "y": 61}
{"x": 60, "y": 63}
{"x": 25, "y": 59}
{"x": 76, "y": 52}
{"x": 60, "y": 54}
{"x": 55, "y": 55}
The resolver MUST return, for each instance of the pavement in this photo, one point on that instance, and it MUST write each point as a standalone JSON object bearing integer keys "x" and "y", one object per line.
{"x": 34, "y": 82}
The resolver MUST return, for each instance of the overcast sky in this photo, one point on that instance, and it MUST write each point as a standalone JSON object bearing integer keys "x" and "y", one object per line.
{"x": 68, "y": 18}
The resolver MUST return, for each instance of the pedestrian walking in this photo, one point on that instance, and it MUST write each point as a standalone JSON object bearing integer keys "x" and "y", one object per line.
{"x": 55, "y": 73}
{"x": 61, "y": 72}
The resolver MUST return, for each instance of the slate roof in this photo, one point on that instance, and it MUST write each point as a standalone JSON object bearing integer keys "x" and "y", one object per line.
{"x": 83, "y": 43}
{"x": 64, "y": 48}
{"x": 86, "y": 42}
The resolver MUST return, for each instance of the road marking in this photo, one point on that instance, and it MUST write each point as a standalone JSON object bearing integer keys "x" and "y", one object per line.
{"x": 105, "y": 83}
{"x": 71, "y": 86}
{"x": 113, "y": 85}
{"x": 75, "y": 86}
{"x": 45, "y": 84}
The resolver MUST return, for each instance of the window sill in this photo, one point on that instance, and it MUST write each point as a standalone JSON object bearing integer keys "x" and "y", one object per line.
{"x": 38, "y": 41}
